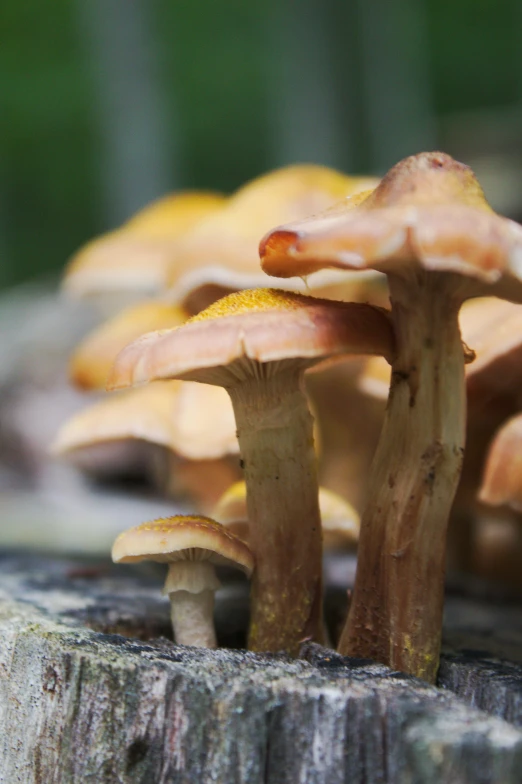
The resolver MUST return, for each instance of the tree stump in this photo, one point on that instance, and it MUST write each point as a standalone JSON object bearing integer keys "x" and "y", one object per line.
{"x": 93, "y": 691}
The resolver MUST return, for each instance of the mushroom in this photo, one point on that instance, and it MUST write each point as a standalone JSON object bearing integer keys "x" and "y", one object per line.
{"x": 92, "y": 360}
{"x": 497, "y": 550}
{"x": 428, "y": 227}
{"x": 192, "y": 546}
{"x": 194, "y": 422}
{"x": 339, "y": 521}
{"x": 502, "y": 481}
{"x": 257, "y": 345}
{"x": 133, "y": 260}
{"x": 220, "y": 254}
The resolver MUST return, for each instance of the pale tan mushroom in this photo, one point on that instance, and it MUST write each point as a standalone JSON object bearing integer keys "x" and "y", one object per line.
{"x": 193, "y": 425}
{"x": 192, "y": 546}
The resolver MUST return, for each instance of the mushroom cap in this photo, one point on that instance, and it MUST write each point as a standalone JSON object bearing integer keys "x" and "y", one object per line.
{"x": 93, "y": 359}
{"x": 339, "y": 521}
{"x": 429, "y": 211}
{"x": 227, "y": 342}
{"x": 502, "y": 480}
{"x": 137, "y": 255}
{"x": 196, "y": 421}
{"x": 492, "y": 329}
{"x": 223, "y": 249}
{"x": 183, "y": 538}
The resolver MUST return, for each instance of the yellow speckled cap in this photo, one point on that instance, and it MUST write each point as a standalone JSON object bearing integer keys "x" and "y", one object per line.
{"x": 429, "y": 211}
{"x": 229, "y": 341}
{"x": 190, "y": 538}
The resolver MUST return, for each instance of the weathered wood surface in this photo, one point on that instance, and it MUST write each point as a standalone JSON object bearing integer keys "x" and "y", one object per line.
{"x": 92, "y": 692}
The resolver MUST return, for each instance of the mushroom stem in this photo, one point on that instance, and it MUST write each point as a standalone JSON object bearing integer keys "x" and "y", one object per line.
{"x": 275, "y": 433}
{"x": 192, "y": 618}
{"x": 191, "y": 587}
{"x": 396, "y": 610}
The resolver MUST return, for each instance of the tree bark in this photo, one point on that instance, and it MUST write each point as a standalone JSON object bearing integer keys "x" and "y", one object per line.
{"x": 84, "y": 699}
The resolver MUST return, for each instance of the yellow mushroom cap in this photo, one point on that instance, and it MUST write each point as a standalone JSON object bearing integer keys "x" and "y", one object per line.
{"x": 137, "y": 256}
{"x": 92, "y": 360}
{"x": 339, "y": 521}
{"x": 225, "y": 343}
{"x": 196, "y": 421}
{"x": 429, "y": 211}
{"x": 223, "y": 249}
{"x": 190, "y": 538}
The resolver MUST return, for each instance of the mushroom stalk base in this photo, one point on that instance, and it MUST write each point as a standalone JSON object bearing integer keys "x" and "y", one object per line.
{"x": 396, "y": 611}
{"x": 192, "y": 618}
{"x": 275, "y": 432}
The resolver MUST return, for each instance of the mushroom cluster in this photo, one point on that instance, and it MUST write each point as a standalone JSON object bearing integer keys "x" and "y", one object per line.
{"x": 257, "y": 345}
{"x": 428, "y": 227}
{"x": 188, "y": 250}
{"x": 237, "y": 352}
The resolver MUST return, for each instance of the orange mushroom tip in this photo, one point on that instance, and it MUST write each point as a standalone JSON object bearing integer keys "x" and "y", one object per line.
{"x": 260, "y": 326}
{"x": 222, "y": 250}
{"x": 429, "y": 208}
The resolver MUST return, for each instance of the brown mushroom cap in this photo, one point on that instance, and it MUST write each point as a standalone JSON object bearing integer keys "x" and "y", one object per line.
{"x": 92, "y": 360}
{"x": 190, "y": 538}
{"x": 137, "y": 256}
{"x": 223, "y": 249}
{"x": 429, "y": 210}
{"x": 224, "y": 344}
{"x": 196, "y": 421}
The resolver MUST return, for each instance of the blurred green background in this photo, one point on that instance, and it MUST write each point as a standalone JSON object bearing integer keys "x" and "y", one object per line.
{"x": 106, "y": 104}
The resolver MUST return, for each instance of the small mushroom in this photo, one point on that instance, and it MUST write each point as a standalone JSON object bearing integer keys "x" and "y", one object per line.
{"x": 428, "y": 227}
{"x": 339, "y": 521}
{"x": 192, "y": 547}
{"x": 257, "y": 344}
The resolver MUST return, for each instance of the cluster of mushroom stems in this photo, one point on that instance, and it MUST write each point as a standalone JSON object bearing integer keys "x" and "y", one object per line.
{"x": 428, "y": 228}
